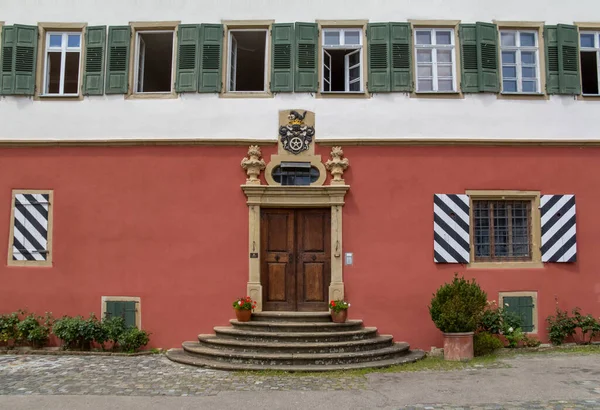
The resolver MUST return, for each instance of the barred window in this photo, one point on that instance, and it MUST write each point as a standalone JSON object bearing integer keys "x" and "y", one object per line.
{"x": 502, "y": 230}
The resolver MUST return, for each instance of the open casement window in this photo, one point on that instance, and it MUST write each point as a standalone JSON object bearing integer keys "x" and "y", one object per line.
{"x": 62, "y": 61}
{"x": 589, "y": 43}
{"x": 154, "y": 61}
{"x": 342, "y": 60}
{"x": 520, "y": 61}
{"x": 31, "y": 231}
{"x": 436, "y": 62}
{"x": 247, "y": 60}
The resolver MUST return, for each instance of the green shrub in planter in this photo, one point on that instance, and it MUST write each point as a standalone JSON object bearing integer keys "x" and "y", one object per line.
{"x": 485, "y": 343}
{"x": 133, "y": 339}
{"x": 457, "y": 307}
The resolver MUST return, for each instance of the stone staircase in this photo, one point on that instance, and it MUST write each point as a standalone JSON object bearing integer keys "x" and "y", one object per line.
{"x": 294, "y": 341}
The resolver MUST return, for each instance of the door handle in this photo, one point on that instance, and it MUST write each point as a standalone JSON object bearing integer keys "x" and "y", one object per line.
{"x": 276, "y": 258}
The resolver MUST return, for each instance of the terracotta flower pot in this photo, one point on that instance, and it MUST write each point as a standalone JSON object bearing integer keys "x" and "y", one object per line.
{"x": 458, "y": 346}
{"x": 243, "y": 315}
{"x": 339, "y": 317}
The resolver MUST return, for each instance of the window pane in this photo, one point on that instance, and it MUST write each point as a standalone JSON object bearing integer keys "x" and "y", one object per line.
{"x": 74, "y": 40}
{"x": 445, "y": 85}
{"x": 423, "y": 37}
{"x": 528, "y": 72}
{"x": 509, "y": 57}
{"x": 444, "y": 56}
{"x": 500, "y": 219}
{"x": 508, "y": 39}
{"x": 53, "y": 74}
{"x": 352, "y": 37}
{"x": 425, "y": 71}
{"x": 528, "y": 57}
{"x": 72, "y": 73}
{"x": 425, "y": 85}
{"x": 482, "y": 229}
{"x": 332, "y": 38}
{"x": 529, "y": 87}
{"x": 445, "y": 70}
{"x": 509, "y": 86}
{"x": 354, "y": 73}
{"x": 587, "y": 40}
{"x": 355, "y": 86}
{"x": 509, "y": 72}
{"x": 527, "y": 39}
{"x": 443, "y": 37}
{"x": 55, "y": 40}
{"x": 354, "y": 59}
{"x": 424, "y": 56}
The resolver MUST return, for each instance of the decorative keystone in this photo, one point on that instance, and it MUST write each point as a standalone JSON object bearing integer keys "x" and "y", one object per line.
{"x": 253, "y": 164}
{"x": 337, "y": 165}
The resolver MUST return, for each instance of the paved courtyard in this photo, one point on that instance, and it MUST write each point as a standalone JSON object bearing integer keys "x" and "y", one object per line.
{"x": 555, "y": 381}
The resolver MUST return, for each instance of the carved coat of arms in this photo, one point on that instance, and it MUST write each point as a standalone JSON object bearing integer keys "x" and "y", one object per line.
{"x": 296, "y": 136}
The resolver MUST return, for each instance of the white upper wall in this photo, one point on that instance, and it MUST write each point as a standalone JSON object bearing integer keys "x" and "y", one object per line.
{"x": 203, "y": 116}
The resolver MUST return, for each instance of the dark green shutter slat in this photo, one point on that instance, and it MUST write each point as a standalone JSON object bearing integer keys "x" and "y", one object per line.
{"x": 378, "y": 45}
{"x": 110, "y": 309}
{"x": 7, "y": 61}
{"x": 211, "y": 47}
{"x": 401, "y": 45}
{"x": 469, "y": 81}
{"x": 117, "y": 66}
{"x": 487, "y": 57}
{"x": 568, "y": 59}
{"x": 305, "y": 76}
{"x": 129, "y": 313}
{"x": 93, "y": 72}
{"x": 188, "y": 41}
{"x": 552, "y": 61}
{"x": 282, "y": 57}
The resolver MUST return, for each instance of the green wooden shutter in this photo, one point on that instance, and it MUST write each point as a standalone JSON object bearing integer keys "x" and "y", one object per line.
{"x": 378, "y": 43}
{"x": 568, "y": 59}
{"x": 306, "y": 57}
{"x": 522, "y": 306}
{"x": 117, "y": 69}
{"x": 401, "y": 42}
{"x": 469, "y": 81}
{"x": 282, "y": 57}
{"x": 487, "y": 51}
{"x": 552, "y": 64}
{"x": 211, "y": 40}
{"x": 93, "y": 72}
{"x": 7, "y": 74}
{"x": 129, "y": 313}
{"x": 110, "y": 310}
{"x": 188, "y": 41}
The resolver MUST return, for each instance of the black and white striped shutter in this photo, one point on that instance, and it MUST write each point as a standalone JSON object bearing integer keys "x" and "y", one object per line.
{"x": 559, "y": 242}
{"x": 451, "y": 242}
{"x": 30, "y": 232}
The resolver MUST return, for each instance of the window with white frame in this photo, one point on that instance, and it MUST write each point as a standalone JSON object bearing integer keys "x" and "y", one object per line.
{"x": 589, "y": 46}
{"x": 247, "y": 60}
{"x": 436, "y": 65}
{"x": 520, "y": 61}
{"x": 342, "y": 60}
{"x": 154, "y": 61}
{"x": 62, "y": 64}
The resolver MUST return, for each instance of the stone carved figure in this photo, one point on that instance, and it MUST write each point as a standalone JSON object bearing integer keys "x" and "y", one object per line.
{"x": 337, "y": 165}
{"x": 253, "y": 164}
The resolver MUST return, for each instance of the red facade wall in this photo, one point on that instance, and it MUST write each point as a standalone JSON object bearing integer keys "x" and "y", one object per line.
{"x": 169, "y": 224}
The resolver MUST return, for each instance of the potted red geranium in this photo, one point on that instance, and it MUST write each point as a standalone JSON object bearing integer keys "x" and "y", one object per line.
{"x": 243, "y": 308}
{"x": 339, "y": 310}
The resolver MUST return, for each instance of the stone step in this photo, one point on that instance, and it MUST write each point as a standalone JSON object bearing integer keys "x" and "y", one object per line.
{"x": 310, "y": 327}
{"x": 298, "y": 347}
{"x": 180, "y": 356}
{"x": 293, "y": 337}
{"x": 295, "y": 359}
{"x": 291, "y": 317}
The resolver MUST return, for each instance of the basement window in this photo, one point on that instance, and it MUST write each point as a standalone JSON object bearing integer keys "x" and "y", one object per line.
{"x": 63, "y": 57}
{"x": 590, "y": 49}
{"x": 295, "y": 173}
{"x": 342, "y": 60}
{"x": 246, "y": 69}
{"x": 154, "y": 62}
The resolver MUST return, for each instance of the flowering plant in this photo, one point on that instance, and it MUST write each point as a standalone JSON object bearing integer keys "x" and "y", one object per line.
{"x": 338, "y": 305}
{"x": 244, "y": 303}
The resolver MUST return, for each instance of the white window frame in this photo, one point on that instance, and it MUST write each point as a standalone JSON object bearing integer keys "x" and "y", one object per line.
{"x": 596, "y": 48}
{"x": 136, "y": 63}
{"x": 63, "y": 58}
{"x": 434, "y": 64}
{"x": 343, "y": 46}
{"x": 266, "y": 62}
{"x": 517, "y": 48}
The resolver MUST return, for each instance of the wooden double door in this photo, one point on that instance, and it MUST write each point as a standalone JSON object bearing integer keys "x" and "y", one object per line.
{"x": 295, "y": 259}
